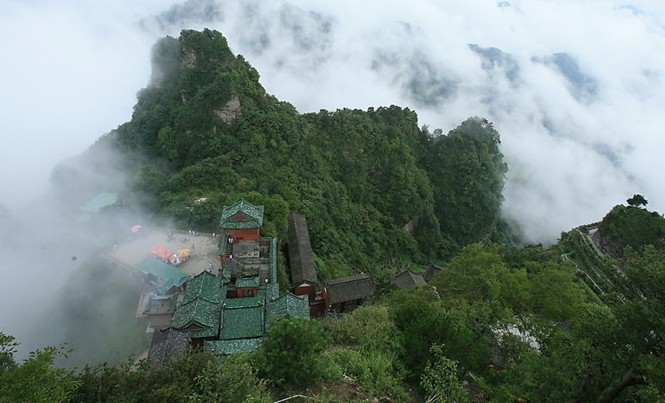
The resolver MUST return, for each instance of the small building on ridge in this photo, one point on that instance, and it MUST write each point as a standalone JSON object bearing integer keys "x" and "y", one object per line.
{"x": 347, "y": 293}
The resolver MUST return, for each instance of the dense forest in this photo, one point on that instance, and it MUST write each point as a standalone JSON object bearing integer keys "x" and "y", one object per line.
{"x": 499, "y": 322}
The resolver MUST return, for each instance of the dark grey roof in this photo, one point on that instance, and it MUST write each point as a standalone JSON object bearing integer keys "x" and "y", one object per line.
{"x": 167, "y": 344}
{"x": 350, "y": 288}
{"x": 408, "y": 279}
{"x": 431, "y": 271}
{"x": 301, "y": 263}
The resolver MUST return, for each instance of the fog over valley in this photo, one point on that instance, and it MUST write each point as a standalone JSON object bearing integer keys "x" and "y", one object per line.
{"x": 575, "y": 88}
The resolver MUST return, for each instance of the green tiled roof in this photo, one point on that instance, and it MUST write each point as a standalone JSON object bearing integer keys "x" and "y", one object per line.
{"x": 101, "y": 201}
{"x": 247, "y": 282}
{"x": 274, "y": 290}
{"x": 206, "y": 286}
{"x": 246, "y": 301}
{"x": 198, "y": 312}
{"x": 242, "y": 215}
{"x": 242, "y": 323}
{"x": 273, "y": 286}
{"x": 295, "y": 306}
{"x": 167, "y": 276}
{"x": 232, "y": 346}
{"x": 225, "y": 275}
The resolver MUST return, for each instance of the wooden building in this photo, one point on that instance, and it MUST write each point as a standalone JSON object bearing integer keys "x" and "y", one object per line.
{"x": 407, "y": 279}
{"x": 158, "y": 308}
{"x": 346, "y": 293}
{"x": 199, "y": 311}
{"x": 301, "y": 264}
{"x": 242, "y": 220}
{"x": 228, "y": 312}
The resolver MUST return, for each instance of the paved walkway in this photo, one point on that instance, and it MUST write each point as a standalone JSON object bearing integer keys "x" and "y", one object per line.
{"x": 136, "y": 248}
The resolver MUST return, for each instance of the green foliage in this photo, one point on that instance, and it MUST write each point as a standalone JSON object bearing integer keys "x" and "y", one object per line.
{"x": 602, "y": 350}
{"x": 546, "y": 289}
{"x": 467, "y": 171}
{"x": 634, "y": 227}
{"x": 196, "y": 377}
{"x": 289, "y": 354}
{"x": 556, "y": 296}
{"x": 376, "y": 370}
{"x": 637, "y": 201}
{"x": 642, "y": 319}
{"x": 8, "y": 346}
{"x": 368, "y": 327}
{"x": 368, "y": 351}
{"x": 35, "y": 379}
{"x": 479, "y": 274}
{"x": 440, "y": 379}
{"x": 422, "y": 321}
{"x": 232, "y": 379}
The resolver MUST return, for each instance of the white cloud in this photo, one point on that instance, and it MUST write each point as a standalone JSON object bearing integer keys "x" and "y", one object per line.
{"x": 574, "y": 152}
{"x": 70, "y": 73}
{"x": 73, "y": 67}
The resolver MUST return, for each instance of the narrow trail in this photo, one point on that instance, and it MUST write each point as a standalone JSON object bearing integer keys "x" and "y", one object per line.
{"x": 565, "y": 258}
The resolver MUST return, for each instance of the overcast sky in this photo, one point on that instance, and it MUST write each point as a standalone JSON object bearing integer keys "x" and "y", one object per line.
{"x": 576, "y": 88}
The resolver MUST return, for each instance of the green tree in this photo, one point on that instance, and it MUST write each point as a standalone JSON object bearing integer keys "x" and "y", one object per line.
{"x": 35, "y": 379}
{"x": 555, "y": 294}
{"x": 642, "y": 326}
{"x": 440, "y": 379}
{"x": 290, "y": 353}
{"x": 8, "y": 346}
{"x": 479, "y": 273}
{"x": 195, "y": 377}
{"x": 637, "y": 201}
{"x": 467, "y": 172}
{"x": 463, "y": 328}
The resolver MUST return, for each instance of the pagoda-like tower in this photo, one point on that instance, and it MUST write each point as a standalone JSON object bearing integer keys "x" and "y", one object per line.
{"x": 242, "y": 220}
{"x": 240, "y": 223}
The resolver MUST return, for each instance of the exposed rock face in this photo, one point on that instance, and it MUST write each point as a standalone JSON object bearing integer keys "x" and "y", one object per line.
{"x": 229, "y": 112}
{"x": 411, "y": 225}
{"x": 189, "y": 58}
{"x": 610, "y": 246}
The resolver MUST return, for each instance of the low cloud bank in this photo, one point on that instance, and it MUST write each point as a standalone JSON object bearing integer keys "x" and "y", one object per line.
{"x": 575, "y": 88}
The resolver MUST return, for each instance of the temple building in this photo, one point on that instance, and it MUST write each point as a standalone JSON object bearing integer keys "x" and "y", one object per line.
{"x": 408, "y": 279}
{"x": 340, "y": 295}
{"x": 231, "y": 311}
{"x": 346, "y": 293}
{"x": 301, "y": 264}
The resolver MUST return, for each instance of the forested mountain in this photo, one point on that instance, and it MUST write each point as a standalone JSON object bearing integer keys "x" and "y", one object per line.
{"x": 206, "y": 128}
{"x": 498, "y": 322}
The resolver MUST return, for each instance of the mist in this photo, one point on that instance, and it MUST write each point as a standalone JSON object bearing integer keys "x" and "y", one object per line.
{"x": 575, "y": 88}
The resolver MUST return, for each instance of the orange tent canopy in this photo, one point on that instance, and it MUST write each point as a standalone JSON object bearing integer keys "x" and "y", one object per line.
{"x": 161, "y": 252}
